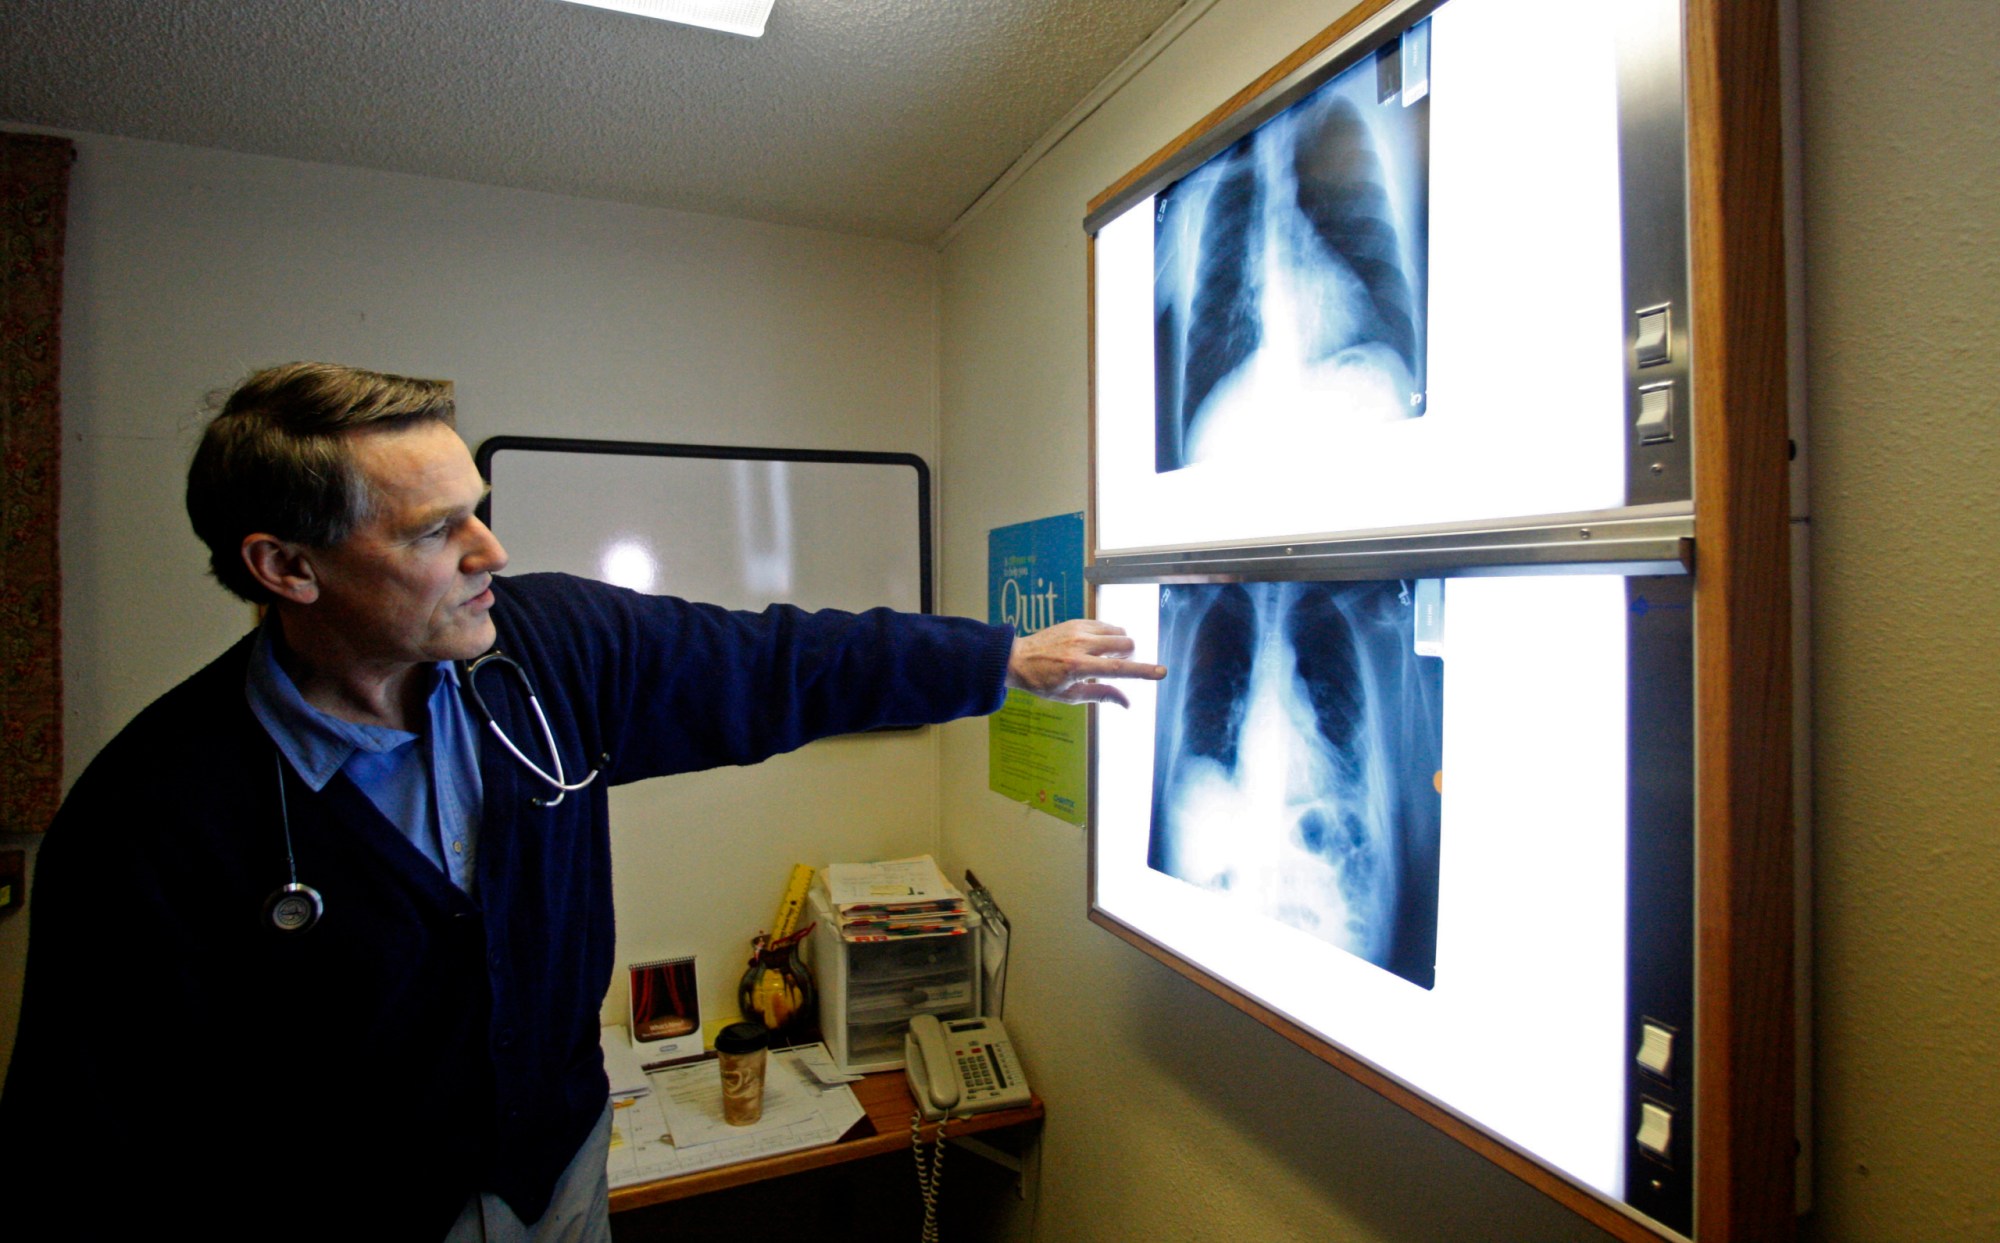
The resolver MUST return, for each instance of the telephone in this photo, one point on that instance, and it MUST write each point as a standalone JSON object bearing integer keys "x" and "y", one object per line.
{"x": 962, "y": 1066}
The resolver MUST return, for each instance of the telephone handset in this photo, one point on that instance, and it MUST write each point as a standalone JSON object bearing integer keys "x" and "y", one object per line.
{"x": 962, "y": 1066}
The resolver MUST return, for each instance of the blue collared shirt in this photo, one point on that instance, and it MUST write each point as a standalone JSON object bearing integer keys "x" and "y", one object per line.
{"x": 427, "y": 785}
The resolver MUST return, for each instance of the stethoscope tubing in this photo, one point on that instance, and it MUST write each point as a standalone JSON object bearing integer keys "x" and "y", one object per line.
{"x": 559, "y": 780}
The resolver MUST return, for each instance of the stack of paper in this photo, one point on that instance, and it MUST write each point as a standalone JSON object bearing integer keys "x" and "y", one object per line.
{"x": 679, "y": 1129}
{"x": 621, "y": 1064}
{"x": 899, "y": 898}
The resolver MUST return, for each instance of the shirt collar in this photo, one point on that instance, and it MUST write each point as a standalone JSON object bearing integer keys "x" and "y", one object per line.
{"x": 317, "y": 743}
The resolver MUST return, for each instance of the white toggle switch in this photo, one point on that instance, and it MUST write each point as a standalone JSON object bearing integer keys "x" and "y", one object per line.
{"x": 1656, "y": 1128}
{"x": 1654, "y": 344}
{"x": 1656, "y": 414}
{"x": 1656, "y": 1049}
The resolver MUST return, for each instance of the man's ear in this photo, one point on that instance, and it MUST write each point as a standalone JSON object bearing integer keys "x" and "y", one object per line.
{"x": 282, "y": 567}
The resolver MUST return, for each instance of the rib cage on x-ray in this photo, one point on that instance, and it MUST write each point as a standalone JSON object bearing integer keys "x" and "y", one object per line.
{"x": 1297, "y": 757}
{"x": 1289, "y": 274}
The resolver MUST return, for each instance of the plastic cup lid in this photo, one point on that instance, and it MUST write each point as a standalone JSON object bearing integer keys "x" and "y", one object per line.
{"x": 742, "y": 1038}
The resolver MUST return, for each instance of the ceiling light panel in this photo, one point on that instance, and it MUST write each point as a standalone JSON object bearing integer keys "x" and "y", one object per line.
{"x": 738, "y": 17}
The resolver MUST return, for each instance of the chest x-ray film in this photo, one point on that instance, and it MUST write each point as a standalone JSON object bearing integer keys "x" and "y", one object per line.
{"x": 1394, "y": 812}
{"x": 1289, "y": 271}
{"x": 1297, "y": 759}
{"x": 1397, "y": 301}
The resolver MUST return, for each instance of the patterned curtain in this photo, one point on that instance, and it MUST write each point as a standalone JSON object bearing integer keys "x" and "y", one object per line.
{"x": 34, "y": 198}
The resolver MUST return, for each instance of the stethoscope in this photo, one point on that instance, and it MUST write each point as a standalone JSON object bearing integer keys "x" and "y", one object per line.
{"x": 561, "y": 786}
{"x": 295, "y": 907}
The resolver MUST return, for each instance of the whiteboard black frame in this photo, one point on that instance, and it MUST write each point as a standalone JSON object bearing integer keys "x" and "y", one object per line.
{"x": 483, "y": 459}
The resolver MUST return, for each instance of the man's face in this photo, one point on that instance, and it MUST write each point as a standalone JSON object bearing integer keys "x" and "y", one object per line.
{"x": 410, "y": 584}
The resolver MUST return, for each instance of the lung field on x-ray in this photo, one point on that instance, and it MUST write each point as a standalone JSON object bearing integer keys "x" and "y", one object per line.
{"x": 1290, "y": 274}
{"x": 1297, "y": 757}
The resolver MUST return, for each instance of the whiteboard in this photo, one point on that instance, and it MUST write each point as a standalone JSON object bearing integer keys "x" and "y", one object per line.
{"x": 736, "y": 526}
{"x": 699, "y": 858}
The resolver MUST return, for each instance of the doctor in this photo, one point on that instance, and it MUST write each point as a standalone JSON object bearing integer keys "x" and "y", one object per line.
{"x": 319, "y": 954}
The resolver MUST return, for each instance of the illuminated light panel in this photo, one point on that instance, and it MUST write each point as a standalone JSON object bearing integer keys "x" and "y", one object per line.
{"x": 736, "y": 17}
{"x": 1526, "y": 366}
{"x": 1523, "y": 1031}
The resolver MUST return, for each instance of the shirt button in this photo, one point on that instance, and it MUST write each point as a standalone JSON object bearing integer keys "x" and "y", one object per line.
{"x": 506, "y": 1040}
{"x": 458, "y": 848}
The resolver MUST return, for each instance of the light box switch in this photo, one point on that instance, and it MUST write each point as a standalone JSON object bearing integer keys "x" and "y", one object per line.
{"x": 1656, "y": 1049}
{"x": 1655, "y": 343}
{"x": 1656, "y": 1128}
{"x": 1656, "y": 414}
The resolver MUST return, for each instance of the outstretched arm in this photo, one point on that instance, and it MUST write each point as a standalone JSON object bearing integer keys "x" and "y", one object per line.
{"x": 1063, "y": 662}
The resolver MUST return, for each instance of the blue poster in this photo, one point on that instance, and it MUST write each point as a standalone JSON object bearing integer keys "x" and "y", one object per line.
{"x": 1036, "y": 750}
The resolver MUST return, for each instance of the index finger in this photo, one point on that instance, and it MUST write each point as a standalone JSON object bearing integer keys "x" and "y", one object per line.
{"x": 1106, "y": 667}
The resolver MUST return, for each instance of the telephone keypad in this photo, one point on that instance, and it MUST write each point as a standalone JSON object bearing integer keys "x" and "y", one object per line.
{"x": 973, "y": 1072}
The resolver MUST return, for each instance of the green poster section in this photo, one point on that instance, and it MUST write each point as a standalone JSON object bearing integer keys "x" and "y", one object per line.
{"x": 1037, "y": 751}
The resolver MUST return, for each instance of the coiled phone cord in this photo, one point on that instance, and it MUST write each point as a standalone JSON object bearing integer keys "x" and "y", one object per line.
{"x": 930, "y": 1171}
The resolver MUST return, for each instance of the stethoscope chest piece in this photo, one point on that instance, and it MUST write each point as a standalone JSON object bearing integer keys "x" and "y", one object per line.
{"x": 294, "y": 908}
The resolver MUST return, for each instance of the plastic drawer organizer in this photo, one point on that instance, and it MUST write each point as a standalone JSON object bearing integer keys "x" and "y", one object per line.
{"x": 869, "y": 990}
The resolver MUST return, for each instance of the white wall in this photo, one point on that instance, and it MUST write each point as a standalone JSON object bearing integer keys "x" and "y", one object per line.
{"x": 1902, "y": 237}
{"x": 188, "y": 268}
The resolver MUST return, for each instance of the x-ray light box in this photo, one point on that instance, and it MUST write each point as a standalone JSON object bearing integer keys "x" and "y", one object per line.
{"x": 1391, "y": 397}
{"x": 1397, "y": 294}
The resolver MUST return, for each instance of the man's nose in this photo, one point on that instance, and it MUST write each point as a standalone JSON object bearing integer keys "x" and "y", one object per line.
{"x": 487, "y": 556}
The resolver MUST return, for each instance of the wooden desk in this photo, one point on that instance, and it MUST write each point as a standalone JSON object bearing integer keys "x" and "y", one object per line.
{"x": 886, "y": 1099}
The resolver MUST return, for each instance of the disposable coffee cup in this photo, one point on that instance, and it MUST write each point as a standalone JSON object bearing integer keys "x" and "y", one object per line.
{"x": 741, "y": 1049}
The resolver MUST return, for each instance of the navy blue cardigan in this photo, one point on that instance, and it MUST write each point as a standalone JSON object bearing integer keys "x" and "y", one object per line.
{"x": 251, "y": 1083}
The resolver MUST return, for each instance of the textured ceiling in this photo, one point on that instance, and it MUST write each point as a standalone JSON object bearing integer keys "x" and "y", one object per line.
{"x": 881, "y": 117}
